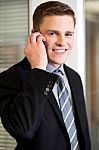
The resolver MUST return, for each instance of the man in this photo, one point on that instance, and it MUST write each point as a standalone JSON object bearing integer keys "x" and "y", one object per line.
{"x": 31, "y": 110}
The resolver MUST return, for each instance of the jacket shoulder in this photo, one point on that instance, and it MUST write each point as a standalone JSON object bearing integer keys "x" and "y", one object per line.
{"x": 71, "y": 71}
{"x": 14, "y": 75}
{"x": 73, "y": 76}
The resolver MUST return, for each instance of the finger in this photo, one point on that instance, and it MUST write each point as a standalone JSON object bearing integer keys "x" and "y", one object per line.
{"x": 28, "y": 44}
{"x": 34, "y": 37}
{"x": 41, "y": 39}
{"x": 29, "y": 40}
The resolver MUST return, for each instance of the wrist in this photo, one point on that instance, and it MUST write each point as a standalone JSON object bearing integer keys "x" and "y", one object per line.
{"x": 38, "y": 67}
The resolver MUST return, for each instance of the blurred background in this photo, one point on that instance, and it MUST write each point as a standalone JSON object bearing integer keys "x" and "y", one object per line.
{"x": 15, "y": 26}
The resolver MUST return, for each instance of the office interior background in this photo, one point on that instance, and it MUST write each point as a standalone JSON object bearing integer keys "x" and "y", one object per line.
{"x": 15, "y": 26}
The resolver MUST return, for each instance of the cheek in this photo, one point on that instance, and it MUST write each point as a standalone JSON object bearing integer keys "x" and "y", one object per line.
{"x": 49, "y": 45}
{"x": 70, "y": 43}
{"x": 49, "y": 41}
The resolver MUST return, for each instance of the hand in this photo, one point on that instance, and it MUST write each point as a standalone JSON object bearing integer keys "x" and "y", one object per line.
{"x": 35, "y": 51}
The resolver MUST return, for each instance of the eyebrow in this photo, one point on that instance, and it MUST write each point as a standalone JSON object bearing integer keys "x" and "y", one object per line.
{"x": 59, "y": 32}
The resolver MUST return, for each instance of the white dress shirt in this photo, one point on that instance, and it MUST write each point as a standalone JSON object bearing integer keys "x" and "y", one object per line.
{"x": 51, "y": 69}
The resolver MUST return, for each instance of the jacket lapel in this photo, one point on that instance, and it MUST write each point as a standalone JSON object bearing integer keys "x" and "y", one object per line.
{"x": 55, "y": 107}
{"x": 77, "y": 96}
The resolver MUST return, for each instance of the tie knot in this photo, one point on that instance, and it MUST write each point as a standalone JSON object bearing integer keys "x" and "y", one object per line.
{"x": 58, "y": 71}
{"x": 59, "y": 74}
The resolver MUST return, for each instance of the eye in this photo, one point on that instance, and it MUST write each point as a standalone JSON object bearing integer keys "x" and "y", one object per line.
{"x": 52, "y": 34}
{"x": 69, "y": 34}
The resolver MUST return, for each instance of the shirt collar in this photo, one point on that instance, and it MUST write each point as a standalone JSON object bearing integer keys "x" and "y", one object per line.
{"x": 51, "y": 68}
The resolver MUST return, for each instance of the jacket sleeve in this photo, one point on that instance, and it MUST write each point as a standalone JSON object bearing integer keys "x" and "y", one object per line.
{"x": 22, "y": 116}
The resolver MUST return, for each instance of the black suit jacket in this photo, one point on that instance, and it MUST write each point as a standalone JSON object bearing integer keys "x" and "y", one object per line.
{"x": 30, "y": 113}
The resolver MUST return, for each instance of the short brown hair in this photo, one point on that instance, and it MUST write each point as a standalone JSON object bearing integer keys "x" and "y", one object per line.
{"x": 51, "y": 8}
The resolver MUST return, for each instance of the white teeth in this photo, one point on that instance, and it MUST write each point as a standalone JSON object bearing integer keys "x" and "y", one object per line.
{"x": 59, "y": 50}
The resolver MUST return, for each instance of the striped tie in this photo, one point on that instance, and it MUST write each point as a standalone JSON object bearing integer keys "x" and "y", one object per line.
{"x": 67, "y": 112}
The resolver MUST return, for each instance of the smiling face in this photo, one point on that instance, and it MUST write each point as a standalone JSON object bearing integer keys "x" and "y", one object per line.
{"x": 59, "y": 34}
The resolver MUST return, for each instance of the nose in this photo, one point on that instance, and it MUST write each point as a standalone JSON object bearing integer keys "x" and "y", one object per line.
{"x": 61, "y": 41}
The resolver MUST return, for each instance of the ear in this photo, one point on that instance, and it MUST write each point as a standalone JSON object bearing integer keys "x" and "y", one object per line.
{"x": 32, "y": 31}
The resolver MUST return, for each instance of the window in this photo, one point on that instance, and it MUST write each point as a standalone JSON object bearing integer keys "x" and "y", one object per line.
{"x": 13, "y": 31}
{"x": 13, "y": 34}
